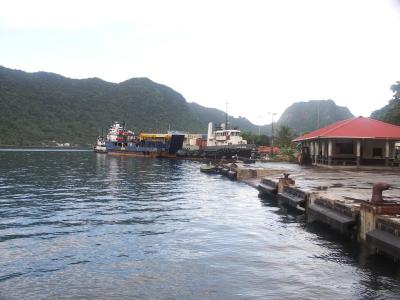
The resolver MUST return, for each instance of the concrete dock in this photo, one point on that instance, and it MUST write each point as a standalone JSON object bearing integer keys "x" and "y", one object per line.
{"x": 338, "y": 198}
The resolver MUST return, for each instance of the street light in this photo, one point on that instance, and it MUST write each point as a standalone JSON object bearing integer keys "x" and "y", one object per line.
{"x": 272, "y": 129}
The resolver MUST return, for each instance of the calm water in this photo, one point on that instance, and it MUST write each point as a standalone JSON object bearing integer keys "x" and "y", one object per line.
{"x": 78, "y": 225}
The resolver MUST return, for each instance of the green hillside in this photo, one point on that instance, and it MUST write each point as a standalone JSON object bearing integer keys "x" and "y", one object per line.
{"x": 40, "y": 108}
{"x": 390, "y": 113}
{"x": 303, "y": 117}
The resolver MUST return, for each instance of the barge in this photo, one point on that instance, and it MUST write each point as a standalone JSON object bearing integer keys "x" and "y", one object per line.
{"x": 121, "y": 141}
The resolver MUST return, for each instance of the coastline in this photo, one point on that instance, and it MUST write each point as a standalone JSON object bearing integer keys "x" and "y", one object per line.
{"x": 43, "y": 148}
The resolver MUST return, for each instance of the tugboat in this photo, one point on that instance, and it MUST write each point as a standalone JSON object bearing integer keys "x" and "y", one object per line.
{"x": 100, "y": 146}
{"x": 226, "y": 142}
{"x": 125, "y": 142}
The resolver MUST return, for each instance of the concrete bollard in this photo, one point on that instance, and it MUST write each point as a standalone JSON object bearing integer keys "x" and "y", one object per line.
{"x": 369, "y": 211}
{"x": 377, "y": 190}
{"x": 284, "y": 181}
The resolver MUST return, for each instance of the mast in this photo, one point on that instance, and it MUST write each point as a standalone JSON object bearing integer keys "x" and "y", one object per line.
{"x": 226, "y": 117}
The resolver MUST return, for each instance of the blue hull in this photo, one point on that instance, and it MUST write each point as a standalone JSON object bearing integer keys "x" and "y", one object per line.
{"x": 147, "y": 148}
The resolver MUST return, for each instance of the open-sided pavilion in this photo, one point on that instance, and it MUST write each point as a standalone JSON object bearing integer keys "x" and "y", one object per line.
{"x": 356, "y": 141}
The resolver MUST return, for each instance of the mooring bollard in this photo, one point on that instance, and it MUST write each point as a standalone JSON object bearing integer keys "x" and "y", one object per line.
{"x": 284, "y": 181}
{"x": 377, "y": 190}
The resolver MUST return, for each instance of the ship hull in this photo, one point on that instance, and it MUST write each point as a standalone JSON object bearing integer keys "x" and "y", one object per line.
{"x": 148, "y": 148}
{"x": 229, "y": 151}
{"x": 134, "y": 153}
{"x": 100, "y": 150}
{"x": 220, "y": 152}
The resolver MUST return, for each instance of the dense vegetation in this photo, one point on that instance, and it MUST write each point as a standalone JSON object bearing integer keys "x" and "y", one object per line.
{"x": 391, "y": 112}
{"x": 256, "y": 139}
{"x": 303, "y": 117}
{"x": 44, "y": 108}
{"x": 284, "y": 137}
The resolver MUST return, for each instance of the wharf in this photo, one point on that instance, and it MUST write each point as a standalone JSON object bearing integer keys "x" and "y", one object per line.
{"x": 338, "y": 198}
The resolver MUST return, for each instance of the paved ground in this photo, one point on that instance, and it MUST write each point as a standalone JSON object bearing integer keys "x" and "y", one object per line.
{"x": 349, "y": 185}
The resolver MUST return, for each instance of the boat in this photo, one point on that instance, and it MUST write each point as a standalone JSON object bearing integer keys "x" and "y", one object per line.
{"x": 226, "y": 142}
{"x": 100, "y": 145}
{"x": 209, "y": 168}
{"x": 125, "y": 142}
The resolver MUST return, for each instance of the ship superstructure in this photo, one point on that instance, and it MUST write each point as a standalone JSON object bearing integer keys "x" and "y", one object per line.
{"x": 223, "y": 136}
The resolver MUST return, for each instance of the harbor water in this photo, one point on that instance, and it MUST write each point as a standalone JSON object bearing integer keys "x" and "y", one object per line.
{"x": 79, "y": 225}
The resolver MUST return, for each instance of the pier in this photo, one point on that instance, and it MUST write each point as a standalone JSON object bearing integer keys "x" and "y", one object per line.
{"x": 340, "y": 199}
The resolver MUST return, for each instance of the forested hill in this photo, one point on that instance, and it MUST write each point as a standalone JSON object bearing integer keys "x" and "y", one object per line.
{"x": 307, "y": 116}
{"x": 43, "y": 108}
{"x": 390, "y": 113}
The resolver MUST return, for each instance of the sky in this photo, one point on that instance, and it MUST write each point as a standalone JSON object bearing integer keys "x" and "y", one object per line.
{"x": 257, "y": 56}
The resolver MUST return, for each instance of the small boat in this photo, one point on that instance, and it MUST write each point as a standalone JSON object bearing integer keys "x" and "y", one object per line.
{"x": 209, "y": 168}
{"x": 100, "y": 146}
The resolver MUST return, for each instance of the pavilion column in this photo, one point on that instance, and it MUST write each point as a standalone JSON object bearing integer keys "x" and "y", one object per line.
{"x": 387, "y": 154}
{"x": 358, "y": 152}
{"x": 316, "y": 152}
{"x": 329, "y": 152}
{"x": 313, "y": 151}
{"x": 323, "y": 151}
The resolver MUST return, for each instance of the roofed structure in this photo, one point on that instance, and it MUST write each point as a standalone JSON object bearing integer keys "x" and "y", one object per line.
{"x": 355, "y": 141}
{"x": 357, "y": 127}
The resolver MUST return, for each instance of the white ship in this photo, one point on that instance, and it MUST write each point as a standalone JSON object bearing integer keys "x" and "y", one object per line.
{"x": 226, "y": 143}
{"x": 100, "y": 146}
{"x": 224, "y": 137}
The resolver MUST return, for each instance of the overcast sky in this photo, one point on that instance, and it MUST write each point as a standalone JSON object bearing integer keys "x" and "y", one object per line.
{"x": 259, "y": 56}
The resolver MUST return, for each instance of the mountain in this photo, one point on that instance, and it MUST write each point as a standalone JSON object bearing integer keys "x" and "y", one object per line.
{"x": 390, "y": 113}
{"x": 307, "y": 116}
{"x": 218, "y": 116}
{"x": 44, "y": 108}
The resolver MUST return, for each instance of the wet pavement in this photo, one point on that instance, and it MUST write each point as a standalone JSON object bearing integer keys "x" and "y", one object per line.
{"x": 347, "y": 185}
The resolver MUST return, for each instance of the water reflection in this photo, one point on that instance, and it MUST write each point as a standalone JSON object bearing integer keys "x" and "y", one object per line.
{"x": 81, "y": 225}
{"x": 377, "y": 275}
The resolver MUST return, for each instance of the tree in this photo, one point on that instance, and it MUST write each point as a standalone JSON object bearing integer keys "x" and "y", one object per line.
{"x": 391, "y": 112}
{"x": 396, "y": 90}
{"x": 258, "y": 140}
{"x": 284, "y": 136}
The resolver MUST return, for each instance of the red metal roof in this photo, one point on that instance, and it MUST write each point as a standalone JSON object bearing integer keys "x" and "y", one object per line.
{"x": 357, "y": 127}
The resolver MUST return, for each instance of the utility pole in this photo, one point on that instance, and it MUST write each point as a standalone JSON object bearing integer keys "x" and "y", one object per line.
{"x": 272, "y": 129}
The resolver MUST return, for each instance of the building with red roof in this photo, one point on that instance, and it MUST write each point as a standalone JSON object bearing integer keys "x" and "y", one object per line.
{"x": 357, "y": 141}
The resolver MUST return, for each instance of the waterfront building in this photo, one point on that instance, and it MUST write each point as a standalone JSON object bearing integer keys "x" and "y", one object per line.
{"x": 356, "y": 141}
{"x": 193, "y": 141}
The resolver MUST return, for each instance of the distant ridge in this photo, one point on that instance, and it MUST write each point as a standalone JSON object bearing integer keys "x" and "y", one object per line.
{"x": 44, "y": 108}
{"x": 303, "y": 117}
